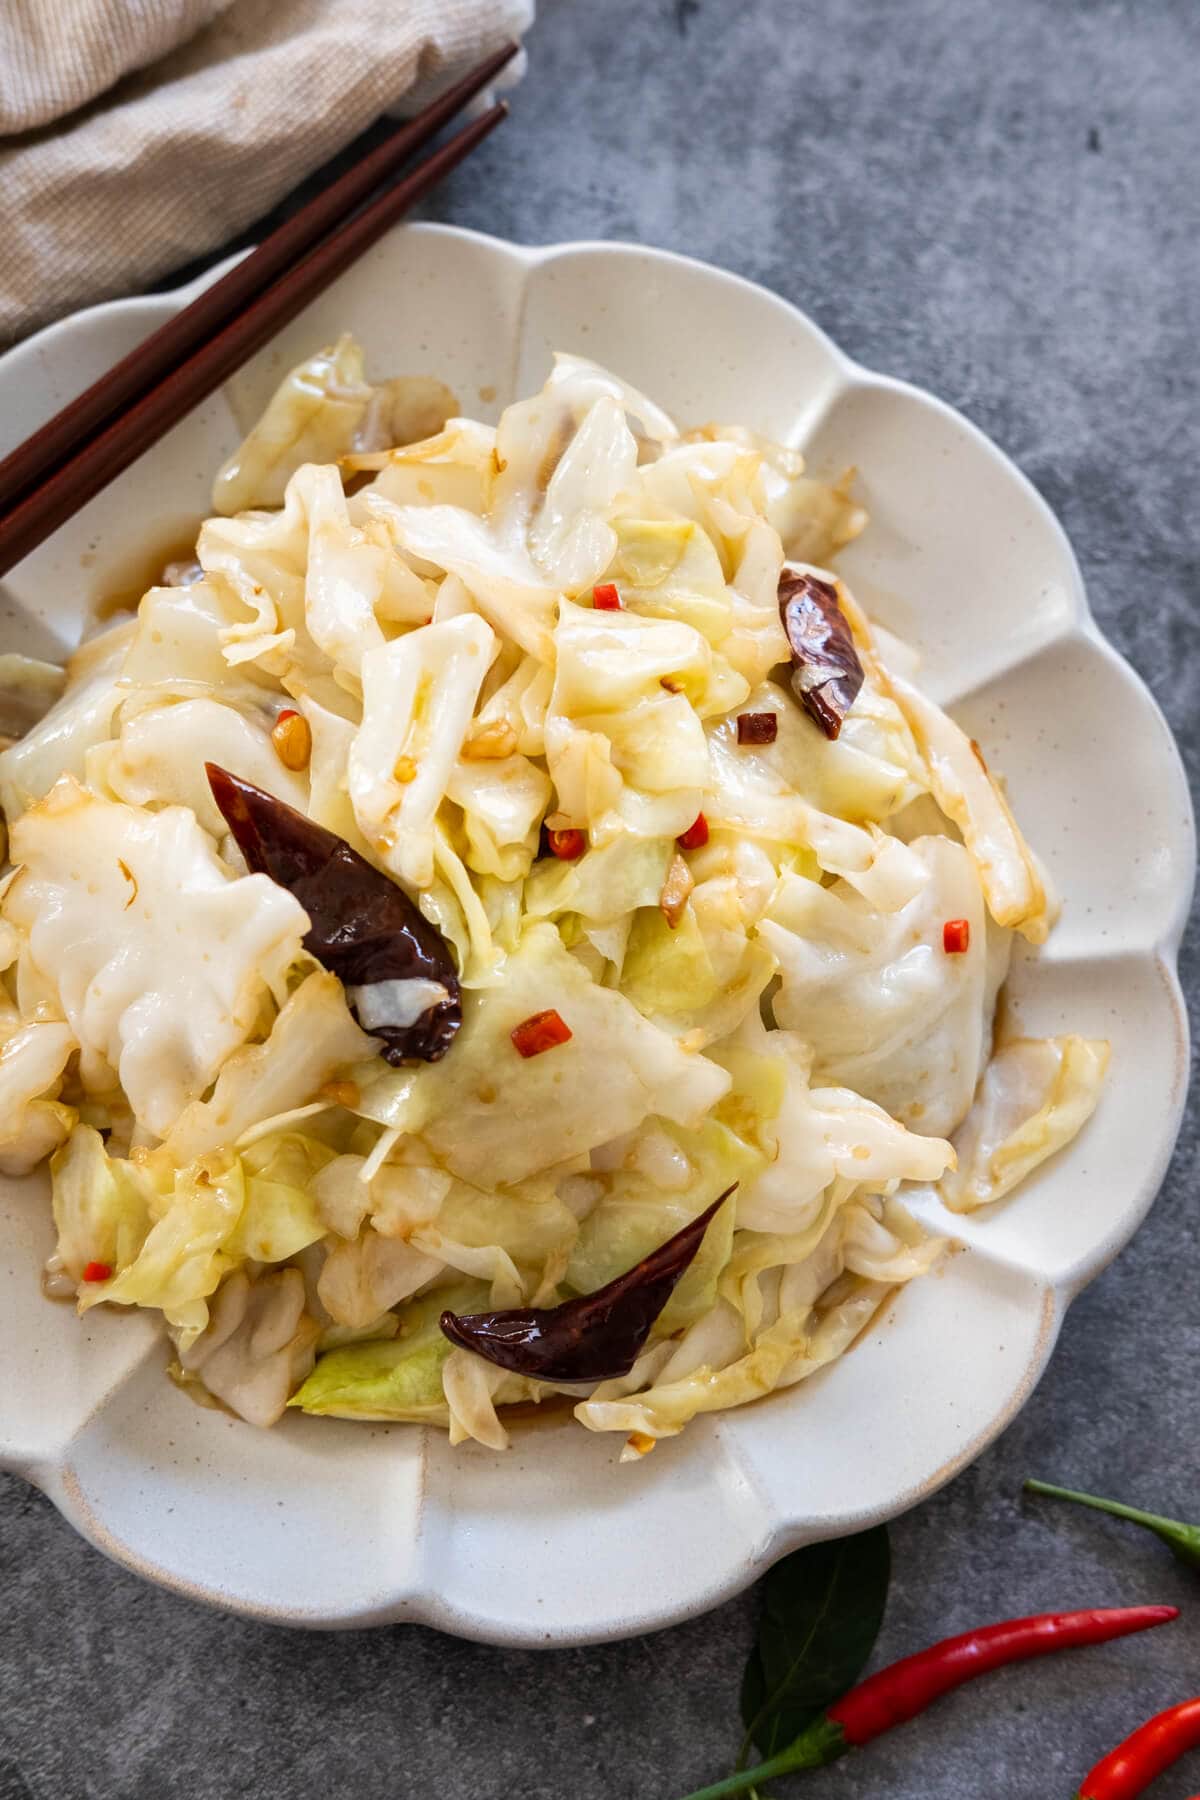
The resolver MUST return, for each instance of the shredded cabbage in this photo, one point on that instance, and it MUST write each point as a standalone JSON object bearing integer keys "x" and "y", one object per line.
{"x": 751, "y": 958}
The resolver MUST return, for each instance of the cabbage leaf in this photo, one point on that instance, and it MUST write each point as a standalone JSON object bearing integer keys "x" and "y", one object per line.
{"x": 399, "y": 1378}
{"x": 1035, "y": 1096}
{"x": 494, "y": 1117}
{"x": 160, "y": 960}
{"x": 419, "y": 693}
{"x": 887, "y": 1011}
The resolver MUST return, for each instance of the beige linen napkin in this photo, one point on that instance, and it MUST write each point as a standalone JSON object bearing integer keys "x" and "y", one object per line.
{"x": 141, "y": 133}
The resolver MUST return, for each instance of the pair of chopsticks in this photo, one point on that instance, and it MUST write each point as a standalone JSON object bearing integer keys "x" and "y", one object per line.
{"x": 86, "y": 445}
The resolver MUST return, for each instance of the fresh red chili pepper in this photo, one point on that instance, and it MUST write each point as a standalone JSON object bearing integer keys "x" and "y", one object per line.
{"x": 566, "y": 845}
{"x": 757, "y": 728}
{"x": 956, "y": 936}
{"x": 1146, "y": 1753}
{"x": 908, "y": 1687}
{"x": 696, "y": 834}
{"x": 899, "y": 1693}
{"x": 605, "y": 598}
{"x": 543, "y": 1031}
{"x": 97, "y": 1271}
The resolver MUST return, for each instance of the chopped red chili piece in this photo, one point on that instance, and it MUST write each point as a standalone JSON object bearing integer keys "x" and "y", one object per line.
{"x": 757, "y": 728}
{"x": 956, "y": 936}
{"x": 695, "y": 835}
{"x": 544, "y": 1031}
{"x": 97, "y": 1271}
{"x": 605, "y": 597}
{"x": 566, "y": 845}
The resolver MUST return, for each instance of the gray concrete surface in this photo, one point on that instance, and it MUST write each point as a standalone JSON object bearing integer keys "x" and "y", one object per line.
{"x": 998, "y": 201}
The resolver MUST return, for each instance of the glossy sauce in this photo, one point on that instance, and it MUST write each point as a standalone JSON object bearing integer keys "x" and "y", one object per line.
{"x": 119, "y": 588}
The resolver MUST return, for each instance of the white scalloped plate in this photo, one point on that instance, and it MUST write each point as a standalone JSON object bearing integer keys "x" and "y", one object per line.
{"x": 330, "y": 1524}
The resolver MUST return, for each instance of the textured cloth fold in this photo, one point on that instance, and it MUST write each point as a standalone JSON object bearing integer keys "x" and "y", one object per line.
{"x": 142, "y": 133}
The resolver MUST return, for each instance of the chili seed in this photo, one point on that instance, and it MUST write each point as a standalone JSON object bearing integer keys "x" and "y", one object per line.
{"x": 676, "y": 888}
{"x": 566, "y": 845}
{"x": 342, "y": 1093}
{"x": 491, "y": 743}
{"x": 291, "y": 735}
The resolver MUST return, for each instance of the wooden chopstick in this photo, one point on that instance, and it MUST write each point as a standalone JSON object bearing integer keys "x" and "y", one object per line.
{"x": 165, "y": 348}
{"x": 83, "y": 473}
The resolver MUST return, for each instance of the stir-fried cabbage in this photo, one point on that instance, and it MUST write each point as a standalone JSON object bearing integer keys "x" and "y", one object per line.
{"x": 32, "y": 1123}
{"x": 886, "y": 1010}
{"x": 963, "y": 787}
{"x": 81, "y": 718}
{"x": 321, "y": 411}
{"x": 258, "y": 1346}
{"x": 1035, "y": 1095}
{"x": 161, "y": 957}
{"x": 704, "y": 951}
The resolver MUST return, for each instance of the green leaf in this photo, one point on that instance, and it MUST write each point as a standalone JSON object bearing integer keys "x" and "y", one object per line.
{"x": 822, "y": 1609}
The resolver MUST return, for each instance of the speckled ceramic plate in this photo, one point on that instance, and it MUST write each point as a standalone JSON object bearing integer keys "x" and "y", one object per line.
{"x": 325, "y": 1524}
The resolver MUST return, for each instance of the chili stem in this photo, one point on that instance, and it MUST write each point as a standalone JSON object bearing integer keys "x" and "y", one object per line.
{"x": 1183, "y": 1540}
{"x": 822, "y": 1743}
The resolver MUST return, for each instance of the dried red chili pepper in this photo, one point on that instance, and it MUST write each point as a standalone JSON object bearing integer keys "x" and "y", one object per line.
{"x": 97, "y": 1271}
{"x": 605, "y": 598}
{"x": 362, "y": 926}
{"x": 757, "y": 728}
{"x": 1145, "y": 1754}
{"x": 594, "y": 1338}
{"x": 696, "y": 835}
{"x": 826, "y": 673}
{"x": 899, "y": 1693}
{"x": 956, "y": 936}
